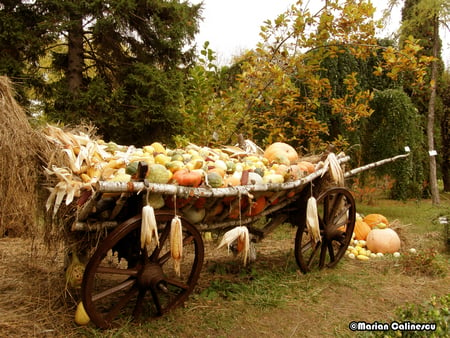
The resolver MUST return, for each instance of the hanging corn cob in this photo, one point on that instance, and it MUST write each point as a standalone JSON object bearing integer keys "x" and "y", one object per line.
{"x": 239, "y": 233}
{"x": 176, "y": 244}
{"x": 312, "y": 220}
{"x": 148, "y": 227}
{"x": 332, "y": 164}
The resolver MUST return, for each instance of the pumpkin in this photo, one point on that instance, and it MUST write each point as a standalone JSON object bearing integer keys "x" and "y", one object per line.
{"x": 217, "y": 170}
{"x": 257, "y": 206}
{"x": 178, "y": 202}
{"x": 306, "y": 166}
{"x": 231, "y": 181}
{"x": 361, "y": 230}
{"x": 383, "y": 240}
{"x": 157, "y": 173}
{"x": 194, "y": 215}
{"x": 278, "y": 151}
{"x": 373, "y": 220}
{"x": 215, "y": 180}
{"x": 188, "y": 178}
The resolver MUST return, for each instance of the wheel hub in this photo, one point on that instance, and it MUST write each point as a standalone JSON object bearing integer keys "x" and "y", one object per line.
{"x": 150, "y": 276}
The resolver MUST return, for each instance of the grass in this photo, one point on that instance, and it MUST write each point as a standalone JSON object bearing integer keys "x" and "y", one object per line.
{"x": 267, "y": 297}
{"x": 271, "y": 297}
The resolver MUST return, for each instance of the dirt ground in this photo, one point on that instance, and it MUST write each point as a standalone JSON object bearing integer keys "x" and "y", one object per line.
{"x": 34, "y": 303}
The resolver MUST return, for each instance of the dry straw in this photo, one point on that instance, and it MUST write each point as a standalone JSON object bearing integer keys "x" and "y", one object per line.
{"x": 22, "y": 152}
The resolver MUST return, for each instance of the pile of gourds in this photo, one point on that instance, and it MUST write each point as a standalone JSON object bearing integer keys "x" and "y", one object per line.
{"x": 91, "y": 160}
{"x": 372, "y": 238}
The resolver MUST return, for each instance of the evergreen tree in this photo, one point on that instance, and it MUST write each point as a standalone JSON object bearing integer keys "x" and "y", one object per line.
{"x": 23, "y": 40}
{"x": 118, "y": 64}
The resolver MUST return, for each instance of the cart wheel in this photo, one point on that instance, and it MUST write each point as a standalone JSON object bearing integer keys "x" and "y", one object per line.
{"x": 146, "y": 285}
{"x": 337, "y": 214}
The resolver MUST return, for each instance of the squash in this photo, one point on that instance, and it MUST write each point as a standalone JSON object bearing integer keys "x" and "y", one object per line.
{"x": 373, "y": 220}
{"x": 231, "y": 181}
{"x": 278, "y": 151}
{"x": 257, "y": 206}
{"x": 81, "y": 317}
{"x": 157, "y": 173}
{"x": 194, "y": 215}
{"x": 361, "y": 230}
{"x": 306, "y": 166}
{"x": 383, "y": 240}
{"x": 188, "y": 178}
{"x": 215, "y": 180}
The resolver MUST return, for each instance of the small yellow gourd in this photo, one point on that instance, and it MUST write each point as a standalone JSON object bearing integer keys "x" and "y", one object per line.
{"x": 81, "y": 317}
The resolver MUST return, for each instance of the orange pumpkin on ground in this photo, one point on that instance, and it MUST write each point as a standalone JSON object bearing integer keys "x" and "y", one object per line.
{"x": 373, "y": 220}
{"x": 383, "y": 240}
{"x": 280, "y": 150}
{"x": 361, "y": 230}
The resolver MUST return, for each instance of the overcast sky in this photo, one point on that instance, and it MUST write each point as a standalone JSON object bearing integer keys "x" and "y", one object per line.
{"x": 233, "y": 26}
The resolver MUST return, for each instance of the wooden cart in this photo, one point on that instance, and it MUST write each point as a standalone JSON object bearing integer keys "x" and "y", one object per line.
{"x": 121, "y": 279}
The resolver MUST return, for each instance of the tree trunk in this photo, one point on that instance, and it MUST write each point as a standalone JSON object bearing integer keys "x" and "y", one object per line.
{"x": 431, "y": 108}
{"x": 75, "y": 60}
{"x": 445, "y": 132}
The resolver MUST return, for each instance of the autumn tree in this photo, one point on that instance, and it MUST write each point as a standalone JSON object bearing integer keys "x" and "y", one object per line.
{"x": 422, "y": 18}
{"x": 283, "y": 85}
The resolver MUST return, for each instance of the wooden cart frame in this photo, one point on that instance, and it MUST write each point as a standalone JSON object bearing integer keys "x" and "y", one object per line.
{"x": 122, "y": 279}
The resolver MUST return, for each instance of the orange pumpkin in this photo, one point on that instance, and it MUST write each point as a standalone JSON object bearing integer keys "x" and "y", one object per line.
{"x": 231, "y": 181}
{"x": 278, "y": 151}
{"x": 383, "y": 240}
{"x": 187, "y": 178}
{"x": 179, "y": 202}
{"x": 361, "y": 230}
{"x": 257, "y": 206}
{"x": 306, "y": 166}
{"x": 373, "y": 220}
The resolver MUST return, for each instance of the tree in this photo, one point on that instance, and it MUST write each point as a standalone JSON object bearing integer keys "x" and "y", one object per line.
{"x": 23, "y": 40}
{"x": 118, "y": 64}
{"x": 422, "y": 18}
{"x": 284, "y": 85}
{"x": 445, "y": 130}
{"x": 395, "y": 124}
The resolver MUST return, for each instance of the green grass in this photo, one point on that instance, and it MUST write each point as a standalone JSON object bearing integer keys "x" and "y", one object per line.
{"x": 422, "y": 214}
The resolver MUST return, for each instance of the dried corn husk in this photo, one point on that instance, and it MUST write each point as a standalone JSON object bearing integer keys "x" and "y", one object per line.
{"x": 176, "y": 244}
{"x": 312, "y": 220}
{"x": 241, "y": 235}
{"x": 149, "y": 226}
{"x": 66, "y": 186}
{"x": 332, "y": 164}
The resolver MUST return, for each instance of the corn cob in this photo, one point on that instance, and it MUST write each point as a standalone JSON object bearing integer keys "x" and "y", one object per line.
{"x": 240, "y": 234}
{"x": 176, "y": 244}
{"x": 149, "y": 226}
{"x": 312, "y": 220}
{"x": 332, "y": 164}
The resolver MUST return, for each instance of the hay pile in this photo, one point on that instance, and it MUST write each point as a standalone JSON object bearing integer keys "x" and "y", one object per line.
{"x": 22, "y": 153}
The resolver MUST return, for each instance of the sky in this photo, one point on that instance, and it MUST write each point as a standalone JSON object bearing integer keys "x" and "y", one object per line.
{"x": 233, "y": 26}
